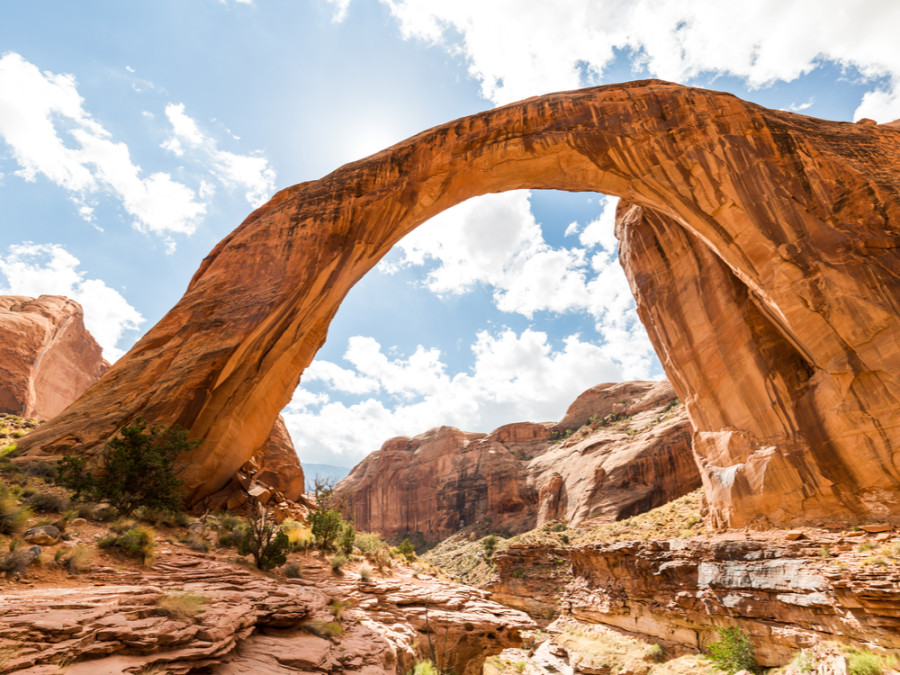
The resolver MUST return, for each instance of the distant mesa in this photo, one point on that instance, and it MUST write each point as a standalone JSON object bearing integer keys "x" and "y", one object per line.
{"x": 763, "y": 248}
{"x": 621, "y": 449}
{"x": 47, "y": 356}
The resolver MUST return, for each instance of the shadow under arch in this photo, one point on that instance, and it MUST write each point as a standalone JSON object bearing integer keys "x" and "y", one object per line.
{"x": 796, "y": 214}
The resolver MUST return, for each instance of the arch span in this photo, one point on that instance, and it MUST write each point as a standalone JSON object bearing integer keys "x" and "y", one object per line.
{"x": 762, "y": 247}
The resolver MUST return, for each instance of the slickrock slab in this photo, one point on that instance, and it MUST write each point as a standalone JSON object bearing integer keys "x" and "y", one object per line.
{"x": 249, "y": 622}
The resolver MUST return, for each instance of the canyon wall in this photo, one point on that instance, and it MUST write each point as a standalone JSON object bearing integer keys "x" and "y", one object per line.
{"x": 620, "y": 450}
{"x": 800, "y": 216}
{"x": 47, "y": 356}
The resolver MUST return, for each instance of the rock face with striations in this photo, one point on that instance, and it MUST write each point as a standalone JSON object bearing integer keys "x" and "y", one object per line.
{"x": 47, "y": 356}
{"x": 621, "y": 449}
{"x": 792, "y": 223}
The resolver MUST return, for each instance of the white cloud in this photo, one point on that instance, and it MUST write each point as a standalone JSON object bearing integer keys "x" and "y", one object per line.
{"x": 36, "y": 269}
{"x": 495, "y": 240}
{"x": 515, "y": 377}
{"x": 38, "y": 110}
{"x": 340, "y": 9}
{"x": 548, "y": 47}
{"x": 250, "y": 172}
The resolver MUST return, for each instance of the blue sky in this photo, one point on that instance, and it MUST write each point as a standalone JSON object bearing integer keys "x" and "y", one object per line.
{"x": 135, "y": 135}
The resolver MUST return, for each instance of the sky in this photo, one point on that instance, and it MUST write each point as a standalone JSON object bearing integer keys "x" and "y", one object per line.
{"x": 135, "y": 135}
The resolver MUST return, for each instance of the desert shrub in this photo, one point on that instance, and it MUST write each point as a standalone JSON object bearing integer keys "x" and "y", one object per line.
{"x": 426, "y": 667}
{"x": 12, "y": 516}
{"x": 136, "y": 469}
{"x": 196, "y": 541}
{"x": 337, "y": 608}
{"x": 365, "y": 573}
{"x": 347, "y": 539}
{"x": 867, "y": 663}
{"x": 77, "y": 560}
{"x": 325, "y": 630}
{"x": 47, "y": 502}
{"x": 182, "y": 606}
{"x": 407, "y": 550}
{"x": 138, "y": 543}
{"x": 338, "y": 561}
{"x": 46, "y": 470}
{"x": 293, "y": 571}
{"x": 733, "y": 651}
{"x": 14, "y": 563}
{"x": 263, "y": 539}
{"x": 326, "y": 525}
{"x": 299, "y": 536}
{"x": 489, "y": 543}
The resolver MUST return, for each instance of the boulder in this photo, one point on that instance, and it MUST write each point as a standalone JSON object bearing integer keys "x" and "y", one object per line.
{"x": 44, "y": 535}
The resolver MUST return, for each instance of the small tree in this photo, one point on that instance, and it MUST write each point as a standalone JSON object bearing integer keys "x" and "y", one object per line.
{"x": 263, "y": 539}
{"x": 406, "y": 549}
{"x": 490, "y": 545}
{"x": 323, "y": 490}
{"x": 326, "y": 526}
{"x": 136, "y": 469}
{"x": 732, "y": 652}
{"x": 348, "y": 538}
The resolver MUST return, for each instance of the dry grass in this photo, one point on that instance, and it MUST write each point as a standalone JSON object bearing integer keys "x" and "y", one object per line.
{"x": 678, "y": 519}
{"x": 595, "y": 648}
{"x": 183, "y": 606}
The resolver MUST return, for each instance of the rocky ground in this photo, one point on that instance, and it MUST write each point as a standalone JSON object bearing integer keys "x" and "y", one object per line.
{"x": 186, "y": 602}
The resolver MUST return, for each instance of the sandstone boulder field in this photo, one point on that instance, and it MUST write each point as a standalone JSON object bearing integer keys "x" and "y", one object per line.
{"x": 791, "y": 222}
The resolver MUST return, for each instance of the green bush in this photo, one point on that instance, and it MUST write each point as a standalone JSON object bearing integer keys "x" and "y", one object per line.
{"x": 348, "y": 537}
{"x": 867, "y": 663}
{"x": 426, "y": 667}
{"x": 490, "y": 545}
{"x": 733, "y": 651}
{"x": 407, "y": 550}
{"x": 47, "y": 502}
{"x": 12, "y": 516}
{"x": 138, "y": 543}
{"x": 262, "y": 539}
{"x": 326, "y": 526}
{"x": 293, "y": 571}
{"x": 136, "y": 469}
{"x": 338, "y": 561}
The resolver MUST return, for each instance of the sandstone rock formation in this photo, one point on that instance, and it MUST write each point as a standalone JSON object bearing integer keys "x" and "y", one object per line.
{"x": 47, "y": 356}
{"x": 787, "y": 594}
{"x": 272, "y": 476}
{"x": 248, "y": 623}
{"x": 799, "y": 217}
{"x": 621, "y": 449}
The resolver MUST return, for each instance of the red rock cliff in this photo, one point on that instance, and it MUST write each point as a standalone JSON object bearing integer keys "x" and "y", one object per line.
{"x": 47, "y": 356}
{"x": 621, "y": 449}
{"x": 801, "y": 216}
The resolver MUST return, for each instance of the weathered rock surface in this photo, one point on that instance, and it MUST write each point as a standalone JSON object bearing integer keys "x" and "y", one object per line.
{"x": 273, "y": 476}
{"x": 248, "y": 623}
{"x": 787, "y": 595}
{"x": 47, "y": 356}
{"x": 799, "y": 216}
{"x": 620, "y": 450}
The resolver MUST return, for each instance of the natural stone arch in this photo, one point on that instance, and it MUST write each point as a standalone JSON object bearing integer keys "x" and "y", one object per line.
{"x": 798, "y": 216}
